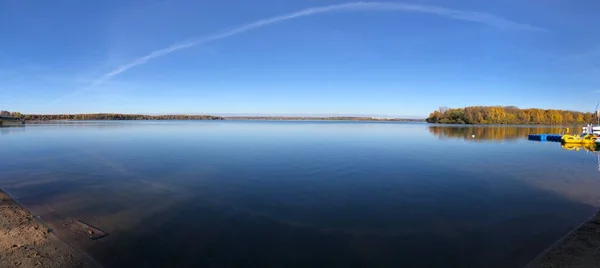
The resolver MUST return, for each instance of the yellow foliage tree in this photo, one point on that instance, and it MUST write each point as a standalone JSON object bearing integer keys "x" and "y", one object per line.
{"x": 507, "y": 115}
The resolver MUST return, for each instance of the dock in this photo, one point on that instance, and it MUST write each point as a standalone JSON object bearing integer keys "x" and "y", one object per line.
{"x": 545, "y": 137}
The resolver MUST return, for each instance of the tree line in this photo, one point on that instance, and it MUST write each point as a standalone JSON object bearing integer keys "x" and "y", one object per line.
{"x": 507, "y": 115}
{"x": 9, "y": 114}
{"x": 107, "y": 116}
{"x": 117, "y": 116}
{"x": 331, "y": 118}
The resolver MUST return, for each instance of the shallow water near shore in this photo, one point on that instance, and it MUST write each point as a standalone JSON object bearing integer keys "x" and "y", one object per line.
{"x": 301, "y": 193}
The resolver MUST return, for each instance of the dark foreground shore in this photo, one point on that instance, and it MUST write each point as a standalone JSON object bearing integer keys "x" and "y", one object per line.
{"x": 579, "y": 248}
{"x": 25, "y": 242}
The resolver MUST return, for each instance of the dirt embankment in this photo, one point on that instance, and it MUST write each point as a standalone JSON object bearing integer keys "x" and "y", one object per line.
{"x": 578, "y": 249}
{"x": 24, "y": 242}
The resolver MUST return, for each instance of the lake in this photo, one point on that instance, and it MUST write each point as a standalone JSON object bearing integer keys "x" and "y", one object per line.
{"x": 301, "y": 193}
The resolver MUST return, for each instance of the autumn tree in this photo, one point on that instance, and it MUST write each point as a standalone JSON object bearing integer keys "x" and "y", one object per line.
{"x": 506, "y": 115}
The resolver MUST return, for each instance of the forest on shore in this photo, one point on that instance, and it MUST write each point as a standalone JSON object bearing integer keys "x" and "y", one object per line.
{"x": 507, "y": 115}
{"x": 117, "y": 116}
{"x": 45, "y": 117}
{"x": 106, "y": 116}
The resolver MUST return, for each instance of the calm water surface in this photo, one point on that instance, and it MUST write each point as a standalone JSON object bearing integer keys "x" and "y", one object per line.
{"x": 301, "y": 194}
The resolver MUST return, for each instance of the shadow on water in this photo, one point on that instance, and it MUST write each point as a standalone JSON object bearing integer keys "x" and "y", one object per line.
{"x": 191, "y": 234}
{"x": 493, "y": 133}
{"x": 154, "y": 225}
{"x": 197, "y": 233}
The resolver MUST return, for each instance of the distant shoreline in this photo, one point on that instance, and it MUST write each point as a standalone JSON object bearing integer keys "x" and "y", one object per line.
{"x": 285, "y": 118}
{"x": 43, "y": 118}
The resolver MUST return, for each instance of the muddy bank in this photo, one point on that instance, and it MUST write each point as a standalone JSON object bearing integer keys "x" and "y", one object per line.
{"x": 25, "y": 242}
{"x": 579, "y": 248}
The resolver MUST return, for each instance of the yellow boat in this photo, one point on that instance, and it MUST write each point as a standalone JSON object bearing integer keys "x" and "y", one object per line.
{"x": 583, "y": 139}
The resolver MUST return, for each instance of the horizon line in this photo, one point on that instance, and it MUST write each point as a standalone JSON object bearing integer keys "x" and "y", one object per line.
{"x": 315, "y": 115}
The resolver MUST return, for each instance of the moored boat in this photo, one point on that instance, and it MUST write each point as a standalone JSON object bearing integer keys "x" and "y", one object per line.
{"x": 579, "y": 139}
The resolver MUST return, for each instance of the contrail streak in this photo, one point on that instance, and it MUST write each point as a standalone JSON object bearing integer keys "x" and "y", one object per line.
{"x": 471, "y": 16}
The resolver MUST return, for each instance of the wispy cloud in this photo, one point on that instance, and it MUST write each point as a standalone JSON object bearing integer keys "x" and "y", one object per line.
{"x": 471, "y": 16}
{"x": 592, "y": 54}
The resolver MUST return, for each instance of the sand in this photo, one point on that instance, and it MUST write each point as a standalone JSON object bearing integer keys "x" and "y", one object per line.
{"x": 25, "y": 242}
{"x": 579, "y": 248}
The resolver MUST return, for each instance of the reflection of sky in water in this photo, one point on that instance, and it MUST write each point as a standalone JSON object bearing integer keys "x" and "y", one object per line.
{"x": 305, "y": 192}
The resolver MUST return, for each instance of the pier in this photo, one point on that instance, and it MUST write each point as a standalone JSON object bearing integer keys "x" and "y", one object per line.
{"x": 545, "y": 137}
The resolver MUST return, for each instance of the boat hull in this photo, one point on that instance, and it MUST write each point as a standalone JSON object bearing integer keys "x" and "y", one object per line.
{"x": 574, "y": 139}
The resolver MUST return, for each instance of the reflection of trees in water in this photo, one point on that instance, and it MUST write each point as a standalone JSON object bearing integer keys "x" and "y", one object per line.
{"x": 12, "y": 129}
{"x": 493, "y": 133}
{"x": 5, "y": 130}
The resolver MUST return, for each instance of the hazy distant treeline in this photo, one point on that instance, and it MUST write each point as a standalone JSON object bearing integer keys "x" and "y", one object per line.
{"x": 341, "y": 118}
{"x": 507, "y": 115}
{"x": 44, "y": 117}
{"x": 7, "y": 113}
{"x": 113, "y": 116}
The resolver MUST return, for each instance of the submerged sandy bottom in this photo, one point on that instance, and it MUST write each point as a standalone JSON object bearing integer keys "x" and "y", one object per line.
{"x": 24, "y": 242}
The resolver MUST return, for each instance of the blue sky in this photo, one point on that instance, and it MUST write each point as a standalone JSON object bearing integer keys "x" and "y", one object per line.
{"x": 297, "y": 57}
